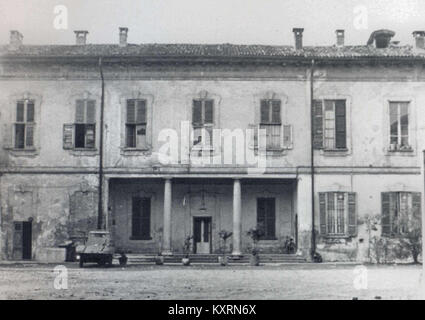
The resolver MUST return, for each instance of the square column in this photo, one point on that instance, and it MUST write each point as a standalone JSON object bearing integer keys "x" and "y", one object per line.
{"x": 237, "y": 215}
{"x": 166, "y": 236}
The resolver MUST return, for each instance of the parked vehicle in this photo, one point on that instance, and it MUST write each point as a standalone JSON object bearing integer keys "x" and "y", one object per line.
{"x": 98, "y": 249}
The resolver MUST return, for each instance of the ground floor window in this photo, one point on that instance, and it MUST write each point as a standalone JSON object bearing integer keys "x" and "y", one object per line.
{"x": 399, "y": 209}
{"x": 141, "y": 219}
{"x": 266, "y": 217}
{"x": 337, "y": 213}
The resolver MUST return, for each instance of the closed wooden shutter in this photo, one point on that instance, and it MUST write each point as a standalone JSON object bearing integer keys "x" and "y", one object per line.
{"x": 340, "y": 124}
{"x": 136, "y": 219}
{"x": 131, "y": 111}
{"x": 352, "y": 215}
{"x": 79, "y": 112}
{"x": 91, "y": 111}
{"x": 265, "y": 111}
{"x": 20, "y": 109}
{"x": 322, "y": 212}
{"x": 318, "y": 124}
{"x": 386, "y": 213}
{"x": 30, "y": 111}
{"x": 276, "y": 117}
{"x": 141, "y": 111}
{"x": 271, "y": 219}
{"x": 209, "y": 111}
{"x": 29, "y": 135}
{"x": 197, "y": 113}
{"x": 416, "y": 205}
{"x": 146, "y": 218}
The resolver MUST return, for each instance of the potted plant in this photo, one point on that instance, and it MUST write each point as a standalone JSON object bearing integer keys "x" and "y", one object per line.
{"x": 159, "y": 259}
{"x": 186, "y": 250}
{"x": 255, "y": 235}
{"x": 224, "y": 235}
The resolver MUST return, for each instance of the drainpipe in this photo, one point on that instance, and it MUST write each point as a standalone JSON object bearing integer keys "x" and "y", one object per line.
{"x": 313, "y": 231}
{"x": 100, "y": 188}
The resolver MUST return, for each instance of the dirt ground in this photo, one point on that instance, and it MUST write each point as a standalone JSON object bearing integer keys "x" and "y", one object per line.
{"x": 298, "y": 281}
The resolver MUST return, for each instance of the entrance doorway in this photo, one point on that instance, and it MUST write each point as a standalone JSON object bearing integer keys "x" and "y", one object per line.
{"x": 22, "y": 240}
{"x": 202, "y": 235}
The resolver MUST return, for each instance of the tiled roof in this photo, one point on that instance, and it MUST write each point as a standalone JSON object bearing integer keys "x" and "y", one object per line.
{"x": 209, "y": 51}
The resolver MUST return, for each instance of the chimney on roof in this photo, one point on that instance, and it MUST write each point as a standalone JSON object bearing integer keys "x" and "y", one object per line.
{"x": 80, "y": 36}
{"x": 419, "y": 39}
{"x": 339, "y": 37}
{"x": 381, "y": 38}
{"x": 123, "y": 36}
{"x": 16, "y": 38}
{"x": 298, "y": 33}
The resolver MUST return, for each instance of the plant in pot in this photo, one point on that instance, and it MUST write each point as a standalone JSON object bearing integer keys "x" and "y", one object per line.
{"x": 186, "y": 250}
{"x": 255, "y": 235}
{"x": 159, "y": 259}
{"x": 224, "y": 235}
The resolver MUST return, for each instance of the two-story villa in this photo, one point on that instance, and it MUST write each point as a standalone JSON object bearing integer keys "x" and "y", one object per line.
{"x": 189, "y": 140}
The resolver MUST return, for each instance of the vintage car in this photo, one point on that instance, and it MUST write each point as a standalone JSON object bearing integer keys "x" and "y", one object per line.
{"x": 98, "y": 248}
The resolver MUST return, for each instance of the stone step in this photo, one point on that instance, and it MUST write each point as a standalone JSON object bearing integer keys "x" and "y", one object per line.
{"x": 213, "y": 258}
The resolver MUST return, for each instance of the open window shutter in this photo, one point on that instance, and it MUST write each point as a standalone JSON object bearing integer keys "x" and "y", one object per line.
{"x": 340, "y": 124}
{"x": 265, "y": 111}
{"x": 416, "y": 205}
{"x": 30, "y": 111}
{"x": 253, "y": 139}
{"x": 209, "y": 111}
{"x": 68, "y": 136}
{"x": 322, "y": 209}
{"x": 7, "y": 136}
{"x": 90, "y": 135}
{"x": 79, "y": 112}
{"x": 318, "y": 124}
{"x": 29, "y": 135}
{"x": 385, "y": 213}
{"x": 352, "y": 215}
{"x": 141, "y": 111}
{"x": 287, "y": 136}
{"x": 91, "y": 112}
{"x": 197, "y": 113}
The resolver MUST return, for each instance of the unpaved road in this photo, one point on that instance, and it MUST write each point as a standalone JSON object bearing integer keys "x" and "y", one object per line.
{"x": 299, "y": 281}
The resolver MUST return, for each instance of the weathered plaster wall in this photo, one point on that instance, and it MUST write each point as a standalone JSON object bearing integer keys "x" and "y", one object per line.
{"x": 46, "y": 200}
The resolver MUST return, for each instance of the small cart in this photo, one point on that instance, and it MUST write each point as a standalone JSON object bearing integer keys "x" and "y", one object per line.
{"x": 98, "y": 249}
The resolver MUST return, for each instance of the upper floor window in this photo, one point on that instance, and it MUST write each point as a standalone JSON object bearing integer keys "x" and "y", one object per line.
{"x": 399, "y": 126}
{"x": 399, "y": 209}
{"x": 24, "y": 124}
{"x": 203, "y": 122}
{"x": 330, "y": 128}
{"x": 81, "y": 134}
{"x": 337, "y": 213}
{"x": 135, "y": 125}
{"x": 271, "y": 122}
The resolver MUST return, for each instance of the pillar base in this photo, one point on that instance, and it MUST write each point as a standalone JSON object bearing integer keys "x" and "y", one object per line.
{"x": 236, "y": 253}
{"x": 167, "y": 253}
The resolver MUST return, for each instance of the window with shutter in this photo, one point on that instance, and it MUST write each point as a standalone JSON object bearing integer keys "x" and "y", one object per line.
{"x": 136, "y": 124}
{"x": 399, "y": 126}
{"x": 338, "y": 215}
{"x": 398, "y": 210}
{"x": 266, "y": 217}
{"x": 82, "y": 133}
{"x": 330, "y": 127}
{"x": 203, "y": 122}
{"x": 318, "y": 124}
{"x": 271, "y": 123}
{"x": 24, "y": 125}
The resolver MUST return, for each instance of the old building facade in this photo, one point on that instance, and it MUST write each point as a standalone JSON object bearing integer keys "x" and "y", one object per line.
{"x": 195, "y": 139}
